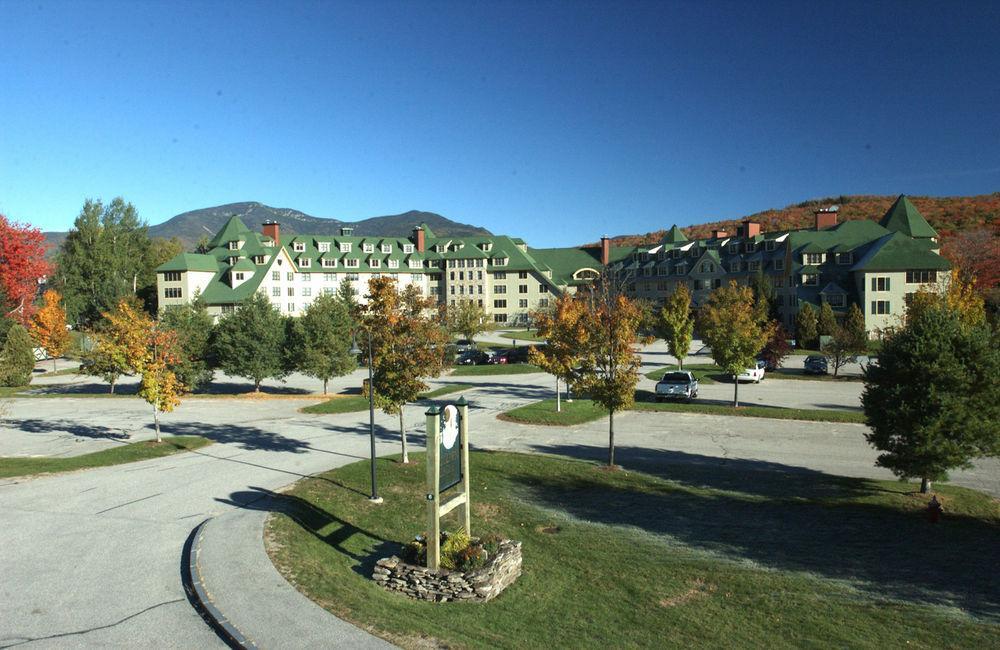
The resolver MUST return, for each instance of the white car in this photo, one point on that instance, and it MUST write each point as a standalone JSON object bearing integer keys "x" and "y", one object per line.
{"x": 755, "y": 374}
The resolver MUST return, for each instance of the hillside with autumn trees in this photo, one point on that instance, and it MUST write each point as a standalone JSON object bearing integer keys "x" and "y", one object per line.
{"x": 969, "y": 226}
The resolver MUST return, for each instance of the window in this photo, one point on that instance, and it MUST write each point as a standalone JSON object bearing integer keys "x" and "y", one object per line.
{"x": 544, "y": 302}
{"x": 499, "y": 304}
{"x": 522, "y": 288}
{"x": 328, "y": 291}
{"x": 499, "y": 318}
{"x": 812, "y": 258}
{"x": 543, "y": 288}
{"x": 290, "y": 276}
{"x": 500, "y": 289}
{"x": 393, "y": 264}
{"x": 305, "y": 262}
{"x": 734, "y": 267}
{"x": 352, "y": 263}
{"x": 920, "y": 277}
{"x": 228, "y": 309}
{"x": 836, "y": 300}
{"x": 880, "y": 306}
{"x": 522, "y": 275}
{"x": 374, "y": 263}
{"x": 778, "y": 281}
{"x": 810, "y": 280}
{"x": 435, "y": 291}
{"x": 329, "y": 277}
{"x": 345, "y": 247}
{"x": 324, "y": 247}
{"x": 486, "y": 246}
{"x": 299, "y": 247}
{"x": 234, "y": 245}
{"x": 523, "y": 304}
{"x": 461, "y": 275}
{"x": 707, "y": 267}
{"x": 748, "y": 247}
{"x": 368, "y": 248}
{"x": 351, "y": 277}
{"x": 386, "y": 248}
{"x": 681, "y": 270}
{"x": 172, "y": 292}
{"x": 258, "y": 259}
{"x": 307, "y": 291}
{"x": 238, "y": 276}
{"x": 676, "y": 253}
{"x": 305, "y": 277}
{"x": 407, "y": 248}
{"x": 499, "y": 261}
{"x": 414, "y": 264}
{"x": 880, "y": 284}
{"x": 499, "y": 275}
{"x": 329, "y": 264}
{"x": 416, "y": 277}
{"x": 753, "y": 266}
{"x": 844, "y": 258}
{"x": 276, "y": 276}
{"x": 769, "y": 245}
{"x": 291, "y": 291}
{"x": 291, "y": 306}
{"x": 172, "y": 276}
{"x": 779, "y": 265}
{"x": 276, "y": 292}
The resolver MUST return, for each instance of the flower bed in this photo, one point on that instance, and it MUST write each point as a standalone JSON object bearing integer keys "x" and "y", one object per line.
{"x": 478, "y": 585}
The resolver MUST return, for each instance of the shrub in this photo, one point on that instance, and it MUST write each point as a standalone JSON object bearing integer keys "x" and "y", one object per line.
{"x": 453, "y": 545}
{"x": 17, "y": 358}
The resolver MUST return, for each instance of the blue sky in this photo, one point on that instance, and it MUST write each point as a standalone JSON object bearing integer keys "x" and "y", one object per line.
{"x": 557, "y": 122}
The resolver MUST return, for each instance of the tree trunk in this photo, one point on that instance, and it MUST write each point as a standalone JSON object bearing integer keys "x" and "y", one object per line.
{"x": 611, "y": 439}
{"x": 112, "y": 386}
{"x": 925, "y": 485}
{"x": 402, "y": 436}
{"x": 156, "y": 423}
{"x": 324, "y": 386}
{"x": 256, "y": 385}
{"x": 558, "y": 403}
{"x": 736, "y": 391}
{"x": 53, "y": 364}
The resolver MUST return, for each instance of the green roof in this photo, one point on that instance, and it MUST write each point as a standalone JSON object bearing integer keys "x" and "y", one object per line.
{"x": 234, "y": 230}
{"x": 903, "y": 217}
{"x": 897, "y": 252}
{"x": 190, "y": 262}
{"x": 674, "y": 236}
{"x": 243, "y": 264}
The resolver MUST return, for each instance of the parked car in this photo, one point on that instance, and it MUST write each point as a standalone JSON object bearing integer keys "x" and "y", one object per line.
{"x": 755, "y": 374}
{"x": 815, "y": 364}
{"x": 473, "y": 358}
{"x": 464, "y": 345}
{"x": 518, "y": 355}
{"x": 769, "y": 365}
{"x": 677, "y": 385}
{"x": 499, "y": 357}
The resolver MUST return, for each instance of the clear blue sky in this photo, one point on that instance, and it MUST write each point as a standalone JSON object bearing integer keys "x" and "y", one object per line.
{"x": 557, "y": 122}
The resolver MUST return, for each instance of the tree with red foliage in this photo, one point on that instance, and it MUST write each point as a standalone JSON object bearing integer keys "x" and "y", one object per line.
{"x": 22, "y": 264}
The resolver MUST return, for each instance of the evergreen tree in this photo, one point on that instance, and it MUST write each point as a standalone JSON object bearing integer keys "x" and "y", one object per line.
{"x": 192, "y": 325}
{"x": 250, "y": 342}
{"x": 320, "y": 340}
{"x": 933, "y": 400}
{"x": 806, "y": 326}
{"x": 826, "y": 325}
{"x": 348, "y": 297}
{"x": 17, "y": 358}
{"x": 765, "y": 298}
{"x": 676, "y": 324}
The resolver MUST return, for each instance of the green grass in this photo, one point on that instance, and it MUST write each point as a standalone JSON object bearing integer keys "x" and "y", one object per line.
{"x": 695, "y": 553}
{"x": 520, "y": 335}
{"x": 584, "y": 410}
{"x": 127, "y": 453}
{"x": 798, "y": 373}
{"x": 497, "y": 369}
{"x": 60, "y": 373}
{"x": 354, "y": 403}
{"x": 544, "y": 412}
{"x": 705, "y": 373}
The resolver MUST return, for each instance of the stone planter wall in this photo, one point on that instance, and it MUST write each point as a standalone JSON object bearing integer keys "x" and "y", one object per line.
{"x": 443, "y": 585}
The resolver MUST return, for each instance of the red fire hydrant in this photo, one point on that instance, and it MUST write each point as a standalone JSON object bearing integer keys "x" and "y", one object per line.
{"x": 934, "y": 510}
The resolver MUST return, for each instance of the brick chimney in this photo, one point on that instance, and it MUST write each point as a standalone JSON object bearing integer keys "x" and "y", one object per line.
{"x": 750, "y": 228}
{"x": 272, "y": 229}
{"x": 826, "y": 218}
{"x": 719, "y": 234}
{"x": 605, "y": 250}
{"x": 418, "y": 239}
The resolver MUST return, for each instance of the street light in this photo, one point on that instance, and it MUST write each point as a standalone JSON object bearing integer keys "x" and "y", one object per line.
{"x": 355, "y": 350}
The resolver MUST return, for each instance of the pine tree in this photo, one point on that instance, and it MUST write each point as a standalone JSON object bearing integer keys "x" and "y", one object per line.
{"x": 17, "y": 358}
{"x": 250, "y": 342}
{"x": 826, "y": 325}
{"x": 806, "y": 326}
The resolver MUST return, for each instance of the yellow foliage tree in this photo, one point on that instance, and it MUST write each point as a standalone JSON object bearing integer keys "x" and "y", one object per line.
{"x": 565, "y": 333}
{"x": 48, "y": 326}
{"x": 961, "y": 297}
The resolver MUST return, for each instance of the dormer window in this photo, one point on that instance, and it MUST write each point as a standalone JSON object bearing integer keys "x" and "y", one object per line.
{"x": 329, "y": 263}
{"x": 845, "y": 258}
{"x": 368, "y": 248}
{"x": 234, "y": 245}
{"x": 812, "y": 258}
{"x": 408, "y": 248}
{"x": 415, "y": 264}
{"x": 233, "y": 260}
{"x": 305, "y": 262}
{"x": 677, "y": 253}
{"x": 352, "y": 263}
{"x": 748, "y": 247}
{"x": 323, "y": 246}
{"x": 345, "y": 247}
{"x": 238, "y": 276}
{"x": 298, "y": 247}
{"x": 386, "y": 248}
{"x": 258, "y": 259}
{"x": 810, "y": 280}
{"x": 393, "y": 264}
{"x": 499, "y": 261}
{"x": 734, "y": 267}
{"x": 374, "y": 263}
{"x": 486, "y": 246}
{"x": 769, "y": 245}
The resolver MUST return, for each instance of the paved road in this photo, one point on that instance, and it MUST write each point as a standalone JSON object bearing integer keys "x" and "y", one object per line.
{"x": 93, "y": 558}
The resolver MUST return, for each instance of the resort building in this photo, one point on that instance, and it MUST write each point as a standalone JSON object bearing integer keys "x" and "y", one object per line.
{"x": 873, "y": 264}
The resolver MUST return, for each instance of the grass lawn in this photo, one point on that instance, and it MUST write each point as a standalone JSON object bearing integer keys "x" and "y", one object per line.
{"x": 352, "y": 403}
{"x": 583, "y": 410}
{"x": 520, "y": 335}
{"x": 705, "y": 373}
{"x": 127, "y": 453}
{"x": 799, "y": 373}
{"x": 707, "y": 554}
{"x": 498, "y": 369}
{"x": 60, "y": 373}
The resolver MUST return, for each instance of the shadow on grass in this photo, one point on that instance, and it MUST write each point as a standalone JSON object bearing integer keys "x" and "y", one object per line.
{"x": 792, "y": 519}
{"x": 131, "y": 389}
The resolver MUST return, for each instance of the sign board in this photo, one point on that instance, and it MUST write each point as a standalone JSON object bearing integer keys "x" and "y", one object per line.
{"x": 450, "y": 451}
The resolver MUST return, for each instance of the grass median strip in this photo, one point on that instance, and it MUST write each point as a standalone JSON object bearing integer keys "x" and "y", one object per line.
{"x": 127, "y": 453}
{"x": 495, "y": 369}
{"x": 354, "y": 403}
{"x": 668, "y": 553}
{"x": 544, "y": 412}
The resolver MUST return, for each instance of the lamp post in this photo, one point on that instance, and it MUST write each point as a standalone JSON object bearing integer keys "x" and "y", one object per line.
{"x": 355, "y": 350}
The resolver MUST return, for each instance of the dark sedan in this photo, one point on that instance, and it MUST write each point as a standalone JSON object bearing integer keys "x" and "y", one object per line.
{"x": 815, "y": 365}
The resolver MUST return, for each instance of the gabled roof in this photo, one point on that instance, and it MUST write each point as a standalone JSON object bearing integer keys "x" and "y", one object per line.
{"x": 243, "y": 264}
{"x": 831, "y": 289}
{"x": 904, "y": 217}
{"x": 234, "y": 230}
{"x": 674, "y": 236}
{"x": 897, "y": 252}
{"x": 190, "y": 262}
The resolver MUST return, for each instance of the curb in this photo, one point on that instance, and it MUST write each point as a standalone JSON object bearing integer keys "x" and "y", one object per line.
{"x": 198, "y": 596}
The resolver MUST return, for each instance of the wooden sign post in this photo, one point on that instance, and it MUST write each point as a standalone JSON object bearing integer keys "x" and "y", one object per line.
{"x": 447, "y": 466}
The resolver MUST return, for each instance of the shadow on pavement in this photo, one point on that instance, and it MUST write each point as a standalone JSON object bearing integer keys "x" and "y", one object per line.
{"x": 793, "y": 519}
{"x": 32, "y": 425}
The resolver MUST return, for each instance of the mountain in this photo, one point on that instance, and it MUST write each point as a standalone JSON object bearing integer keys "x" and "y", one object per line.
{"x": 949, "y": 215}
{"x": 190, "y": 226}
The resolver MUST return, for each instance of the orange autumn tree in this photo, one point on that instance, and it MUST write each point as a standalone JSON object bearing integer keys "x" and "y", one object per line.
{"x": 565, "y": 333}
{"x": 407, "y": 346}
{"x": 48, "y": 326}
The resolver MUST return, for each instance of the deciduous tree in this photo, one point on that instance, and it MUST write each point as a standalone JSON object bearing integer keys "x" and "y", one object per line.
{"x": 806, "y": 326}
{"x": 250, "y": 342}
{"x": 48, "y": 326}
{"x": 193, "y": 327}
{"x": 933, "y": 400}
{"x": 849, "y": 340}
{"x": 564, "y": 330}
{"x": 158, "y": 384}
{"x": 17, "y": 357}
{"x": 777, "y": 347}
{"x": 728, "y": 324}
{"x": 321, "y": 340}
{"x": 466, "y": 317}
{"x": 676, "y": 325}
{"x": 22, "y": 265}
{"x": 407, "y": 346}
